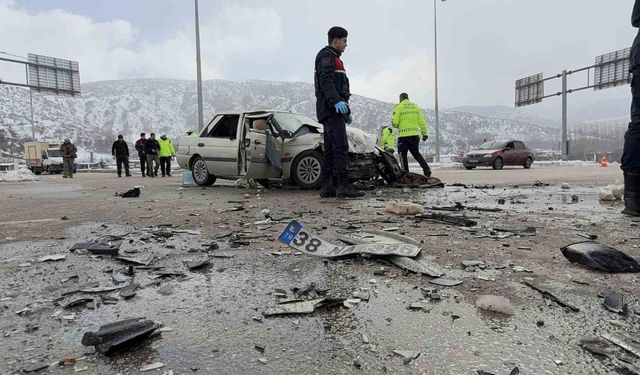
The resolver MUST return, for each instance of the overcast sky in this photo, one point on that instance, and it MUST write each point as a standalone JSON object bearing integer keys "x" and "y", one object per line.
{"x": 484, "y": 45}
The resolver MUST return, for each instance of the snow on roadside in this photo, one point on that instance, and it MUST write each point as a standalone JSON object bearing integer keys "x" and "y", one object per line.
{"x": 21, "y": 175}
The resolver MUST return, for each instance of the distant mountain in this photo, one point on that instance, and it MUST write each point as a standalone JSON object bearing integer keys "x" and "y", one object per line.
{"x": 167, "y": 106}
{"x": 509, "y": 113}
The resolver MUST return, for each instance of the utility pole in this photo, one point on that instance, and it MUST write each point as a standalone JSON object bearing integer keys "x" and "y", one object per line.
{"x": 565, "y": 145}
{"x": 199, "y": 71}
{"x": 33, "y": 131}
{"x": 435, "y": 36}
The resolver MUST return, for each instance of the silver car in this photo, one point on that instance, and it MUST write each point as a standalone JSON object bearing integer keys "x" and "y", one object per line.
{"x": 268, "y": 145}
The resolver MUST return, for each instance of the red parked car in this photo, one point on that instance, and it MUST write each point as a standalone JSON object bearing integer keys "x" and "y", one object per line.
{"x": 497, "y": 154}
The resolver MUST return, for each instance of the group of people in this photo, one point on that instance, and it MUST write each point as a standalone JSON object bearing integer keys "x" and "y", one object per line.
{"x": 155, "y": 154}
{"x": 332, "y": 93}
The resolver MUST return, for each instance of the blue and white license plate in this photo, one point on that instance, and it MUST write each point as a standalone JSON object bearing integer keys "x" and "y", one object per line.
{"x": 298, "y": 238}
{"x": 295, "y": 236}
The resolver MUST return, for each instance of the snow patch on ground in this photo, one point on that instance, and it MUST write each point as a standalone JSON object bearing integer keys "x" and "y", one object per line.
{"x": 20, "y": 175}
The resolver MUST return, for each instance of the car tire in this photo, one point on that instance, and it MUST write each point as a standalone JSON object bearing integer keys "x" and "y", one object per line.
{"x": 498, "y": 163}
{"x": 200, "y": 173}
{"x": 469, "y": 168}
{"x": 306, "y": 170}
{"x": 527, "y": 163}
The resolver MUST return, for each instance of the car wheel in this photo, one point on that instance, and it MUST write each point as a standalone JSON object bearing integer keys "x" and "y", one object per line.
{"x": 200, "y": 173}
{"x": 527, "y": 163}
{"x": 306, "y": 169}
{"x": 498, "y": 163}
{"x": 469, "y": 168}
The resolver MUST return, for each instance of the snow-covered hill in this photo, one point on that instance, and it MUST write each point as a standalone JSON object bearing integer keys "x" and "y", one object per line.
{"x": 128, "y": 107}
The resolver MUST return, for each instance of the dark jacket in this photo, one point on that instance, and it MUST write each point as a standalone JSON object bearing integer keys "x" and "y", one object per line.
{"x": 120, "y": 149}
{"x": 331, "y": 83}
{"x": 69, "y": 150}
{"x": 635, "y": 49}
{"x": 151, "y": 147}
{"x": 140, "y": 147}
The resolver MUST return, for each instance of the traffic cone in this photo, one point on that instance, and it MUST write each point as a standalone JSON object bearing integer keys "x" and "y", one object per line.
{"x": 604, "y": 163}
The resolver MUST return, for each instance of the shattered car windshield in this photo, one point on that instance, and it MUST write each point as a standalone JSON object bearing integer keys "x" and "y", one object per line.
{"x": 492, "y": 145}
{"x": 292, "y": 121}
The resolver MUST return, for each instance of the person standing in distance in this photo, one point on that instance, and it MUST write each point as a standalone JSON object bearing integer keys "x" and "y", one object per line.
{"x": 152, "y": 149}
{"x": 332, "y": 108}
{"x": 141, "y": 153}
{"x": 120, "y": 151}
{"x": 409, "y": 120}
{"x": 69, "y": 154}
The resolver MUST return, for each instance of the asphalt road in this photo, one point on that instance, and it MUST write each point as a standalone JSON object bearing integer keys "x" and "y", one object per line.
{"x": 214, "y": 316}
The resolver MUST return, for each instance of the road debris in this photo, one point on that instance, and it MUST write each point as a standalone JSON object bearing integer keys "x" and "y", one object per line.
{"x": 197, "y": 264}
{"x": 305, "y": 307}
{"x": 98, "y": 248}
{"x": 445, "y": 282}
{"x": 527, "y": 232}
{"x": 596, "y": 345}
{"x": 403, "y": 208}
{"x": 129, "y": 291}
{"x": 615, "y": 301}
{"x": 548, "y": 295}
{"x": 496, "y": 304}
{"x": 623, "y": 342}
{"x": 34, "y": 367}
{"x": 408, "y": 355}
{"x": 152, "y": 366}
{"x": 52, "y": 258}
{"x": 600, "y": 257}
{"x": 118, "y": 335}
{"x": 448, "y": 219}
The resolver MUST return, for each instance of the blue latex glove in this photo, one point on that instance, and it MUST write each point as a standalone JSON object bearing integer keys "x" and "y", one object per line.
{"x": 342, "y": 108}
{"x": 349, "y": 120}
{"x": 424, "y": 138}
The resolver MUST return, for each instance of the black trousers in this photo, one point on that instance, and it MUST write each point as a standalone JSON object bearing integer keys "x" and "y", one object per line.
{"x": 631, "y": 152}
{"x": 165, "y": 165}
{"x": 411, "y": 144}
{"x": 336, "y": 148}
{"x": 143, "y": 164}
{"x": 120, "y": 161}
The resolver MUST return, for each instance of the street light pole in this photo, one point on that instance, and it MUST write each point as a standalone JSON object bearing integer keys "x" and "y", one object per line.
{"x": 33, "y": 131}
{"x": 435, "y": 36}
{"x": 199, "y": 70}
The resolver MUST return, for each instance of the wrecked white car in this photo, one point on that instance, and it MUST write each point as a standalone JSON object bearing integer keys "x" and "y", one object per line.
{"x": 266, "y": 146}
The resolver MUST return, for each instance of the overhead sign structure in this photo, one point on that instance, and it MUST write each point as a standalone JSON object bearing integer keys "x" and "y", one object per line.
{"x": 612, "y": 69}
{"x": 529, "y": 90}
{"x": 50, "y": 75}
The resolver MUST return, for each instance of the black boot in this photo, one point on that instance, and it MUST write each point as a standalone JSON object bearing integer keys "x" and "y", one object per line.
{"x": 427, "y": 172}
{"x": 345, "y": 190}
{"x": 631, "y": 193}
{"x": 328, "y": 189}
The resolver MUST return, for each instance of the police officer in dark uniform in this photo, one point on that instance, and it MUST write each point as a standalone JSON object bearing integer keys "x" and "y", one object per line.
{"x": 332, "y": 98}
{"x": 631, "y": 154}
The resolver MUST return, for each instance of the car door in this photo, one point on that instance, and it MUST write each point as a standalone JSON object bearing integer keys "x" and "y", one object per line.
{"x": 258, "y": 133}
{"x": 521, "y": 153}
{"x": 219, "y": 146}
{"x": 509, "y": 155}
